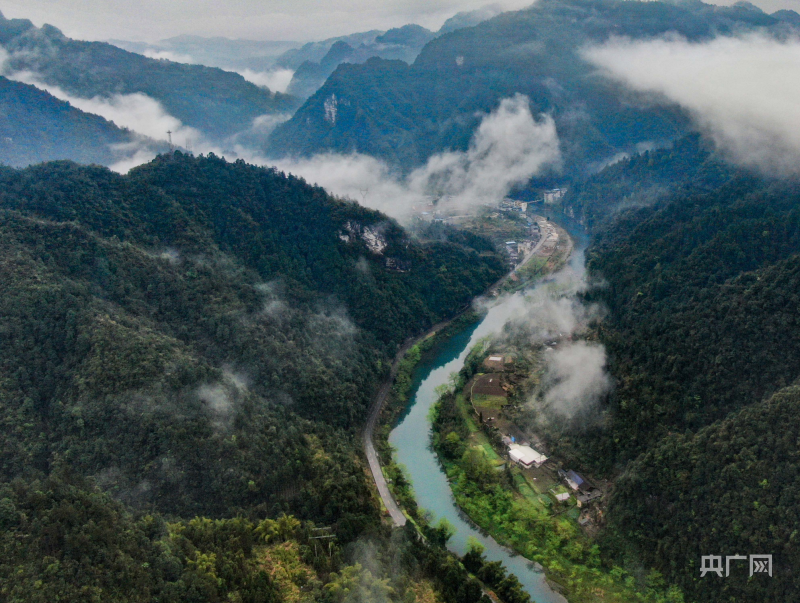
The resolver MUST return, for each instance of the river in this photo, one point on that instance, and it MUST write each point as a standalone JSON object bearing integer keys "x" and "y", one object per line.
{"x": 411, "y": 438}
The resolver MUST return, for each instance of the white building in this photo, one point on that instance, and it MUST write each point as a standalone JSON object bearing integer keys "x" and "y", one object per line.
{"x": 525, "y": 456}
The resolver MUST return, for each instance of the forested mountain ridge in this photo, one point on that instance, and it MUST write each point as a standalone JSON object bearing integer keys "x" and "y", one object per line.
{"x": 218, "y": 103}
{"x": 697, "y": 264}
{"x": 402, "y": 43}
{"x": 204, "y": 337}
{"x": 694, "y": 287}
{"x": 645, "y": 179}
{"x": 404, "y": 114}
{"x": 731, "y": 489}
{"x": 38, "y": 127}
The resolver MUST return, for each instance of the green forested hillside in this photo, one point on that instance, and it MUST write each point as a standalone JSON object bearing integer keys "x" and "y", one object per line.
{"x": 202, "y": 338}
{"x": 36, "y": 127}
{"x": 217, "y": 102}
{"x": 63, "y": 540}
{"x": 702, "y": 300}
{"x": 731, "y": 489}
{"x": 698, "y": 266}
{"x": 646, "y": 179}
{"x": 404, "y": 114}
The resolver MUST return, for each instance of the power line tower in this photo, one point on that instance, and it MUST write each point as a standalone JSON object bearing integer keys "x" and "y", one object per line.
{"x": 171, "y": 147}
{"x": 323, "y": 534}
{"x": 363, "y": 192}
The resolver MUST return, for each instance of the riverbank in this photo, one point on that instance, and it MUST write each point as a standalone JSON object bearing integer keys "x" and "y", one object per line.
{"x": 493, "y": 493}
{"x": 507, "y": 502}
{"x": 430, "y": 500}
{"x": 422, "y": 486}
{"x": 553, "y": 249}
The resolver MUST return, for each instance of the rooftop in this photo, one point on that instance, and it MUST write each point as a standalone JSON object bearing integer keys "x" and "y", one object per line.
{"x": 525, "y": 455}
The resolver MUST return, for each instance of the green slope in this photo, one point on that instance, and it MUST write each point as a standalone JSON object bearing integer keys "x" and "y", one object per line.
{"x": 198, "y": 337}
{"x": 697, "y": 264}
{"x": 38, "y": 127}
{"x": 731, "y": 489}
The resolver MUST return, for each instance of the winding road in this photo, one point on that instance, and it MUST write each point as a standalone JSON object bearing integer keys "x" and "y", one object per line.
{"x": 398, "y": 518}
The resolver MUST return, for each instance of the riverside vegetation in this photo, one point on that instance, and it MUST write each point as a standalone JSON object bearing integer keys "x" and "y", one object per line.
{"x": 187, "y": 350}
{"x": 700, "y": 285}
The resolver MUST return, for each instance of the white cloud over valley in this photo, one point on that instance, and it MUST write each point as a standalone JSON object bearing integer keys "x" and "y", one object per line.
{"x": 508, "y": 148}
{"x": 742, "y": 91}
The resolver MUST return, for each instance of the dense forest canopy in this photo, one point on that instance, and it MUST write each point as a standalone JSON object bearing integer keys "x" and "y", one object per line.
{"x": 204, "y": 337}
{"x": 697, "y": 264}
{"x": 188, "y": 351}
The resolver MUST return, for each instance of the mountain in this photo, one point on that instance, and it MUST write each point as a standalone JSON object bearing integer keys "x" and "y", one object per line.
{"x": 313, "y": 52}
{"x": 698, "y": 266}
{"x": 469, "y": 18}
{"x": 38, "y": 127}
{"x": 408, "y": 37}
{"x": 316, "y": 61}
{"x": 402, "y": 43}
{"x": 693, "y": 291}
{"x": 218, "y": 103}
{"x": 199, "y": 340}
{"x": 405, "y": 113}
{"x": 224, "y": 53}
{"x": 730, "y": 489}
{"x": 152, "y": 320}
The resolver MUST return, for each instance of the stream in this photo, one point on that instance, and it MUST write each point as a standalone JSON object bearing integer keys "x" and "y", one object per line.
{"x": 411, "y": 438}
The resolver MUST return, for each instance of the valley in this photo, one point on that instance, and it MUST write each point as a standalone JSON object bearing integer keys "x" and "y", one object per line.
{"x": 400, "y": 302}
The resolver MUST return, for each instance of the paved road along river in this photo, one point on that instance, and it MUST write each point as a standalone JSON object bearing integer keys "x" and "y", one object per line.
{"x": 411, "y": 439}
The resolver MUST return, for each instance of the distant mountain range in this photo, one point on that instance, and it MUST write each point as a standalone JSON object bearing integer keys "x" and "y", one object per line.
{"x": 403, "y": 43}
{"x": 405, "y": 113}
{"x": 320, "y": 59}
{"x": 38, "y": 127}
{"x": 79, "y": 100}
{"x": 219, "y": 104}
{"x": 313, "y": 62}
{"x": 213, "y": 52}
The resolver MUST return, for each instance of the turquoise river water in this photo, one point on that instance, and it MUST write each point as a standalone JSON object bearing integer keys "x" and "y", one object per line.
{"x": 412, "y": 441}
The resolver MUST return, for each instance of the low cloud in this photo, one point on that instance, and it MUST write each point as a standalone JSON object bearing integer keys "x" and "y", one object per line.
{"x": 575, "y": 378}
{"x": 277, "y": 80}
{"x": 742, "y": 91}
{"x": 133, "y": 154}
{"x": 136, "y": 112}
{"x": 168, "y": 55}
{"x": 553, "y": 318}
{"x": 508, "y": 148}
{"x": 221, "y": 398}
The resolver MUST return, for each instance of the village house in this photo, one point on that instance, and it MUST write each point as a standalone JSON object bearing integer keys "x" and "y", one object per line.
{"x": 575, "y": 480}
{"x": 525, "y": 456}
{"x": 553, "y": 195}
{"x": 586, "y": 498}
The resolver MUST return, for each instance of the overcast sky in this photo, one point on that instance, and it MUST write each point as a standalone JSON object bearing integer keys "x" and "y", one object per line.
{"x": 296, "y": 20}
{"x": 301, "y": 20}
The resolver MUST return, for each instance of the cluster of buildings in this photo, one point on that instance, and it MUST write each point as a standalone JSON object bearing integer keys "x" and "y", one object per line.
{"x": 513, "y": 205}
{"x": 585, "y": 492}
